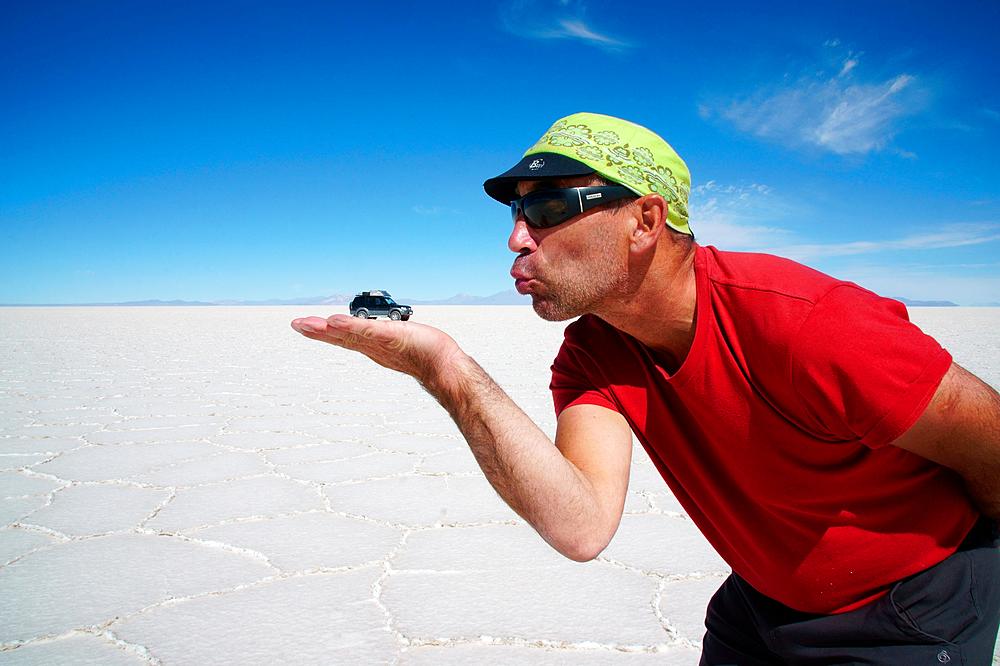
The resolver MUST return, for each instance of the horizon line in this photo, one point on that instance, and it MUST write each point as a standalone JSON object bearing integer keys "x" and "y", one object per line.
{"x": 457, "y": 299}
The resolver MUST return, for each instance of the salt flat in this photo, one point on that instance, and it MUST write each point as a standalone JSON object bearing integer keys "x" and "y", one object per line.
{"x": 204, "y": 485}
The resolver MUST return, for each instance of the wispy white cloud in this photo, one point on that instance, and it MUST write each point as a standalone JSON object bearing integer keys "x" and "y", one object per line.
{"x": 859, "y": 118}
{"x": 834, "y": 110}
{"x": 947, "y": 236}
{"x": 753, "y": 217}
{"x": 562, "y": 19}
{"x": 577, "y": 29}
{"x": 848, "y": 65}
{"x": 748, "y": 217}
{"x": 844, "y": 119}
{"x": 930, "y": 282}
{"x": 992, "y": 114}
{"x": 432, "y": 211}
{"x": 739, "y": 192}
{"x": 736, "y": 217}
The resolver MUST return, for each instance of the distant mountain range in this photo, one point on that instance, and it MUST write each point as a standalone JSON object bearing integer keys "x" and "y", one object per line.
{"x": 924, "y": 304}
{"x": 509, "y": 297}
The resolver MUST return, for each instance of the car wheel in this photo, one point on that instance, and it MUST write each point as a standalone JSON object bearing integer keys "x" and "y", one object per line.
{"x": 395, "y": 315}
{"x": 361, "y": 314}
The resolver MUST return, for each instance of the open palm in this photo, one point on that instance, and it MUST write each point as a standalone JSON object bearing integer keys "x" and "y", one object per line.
{"x": 416, "y": 349}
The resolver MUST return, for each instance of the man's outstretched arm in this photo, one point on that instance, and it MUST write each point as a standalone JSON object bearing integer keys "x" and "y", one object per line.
{"x": 572, "y": 492}
{"x": 960, "y": 429}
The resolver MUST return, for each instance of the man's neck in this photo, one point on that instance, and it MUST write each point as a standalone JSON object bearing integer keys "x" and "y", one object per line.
{"x": 660, "y": 312}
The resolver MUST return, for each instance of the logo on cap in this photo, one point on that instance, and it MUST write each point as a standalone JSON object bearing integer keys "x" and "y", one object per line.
{"x": 536, "y": 164}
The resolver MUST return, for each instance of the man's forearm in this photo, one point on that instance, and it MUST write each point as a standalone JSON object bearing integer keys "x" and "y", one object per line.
{"x": 520, "y": 461}
{"x": 524, "y": 466}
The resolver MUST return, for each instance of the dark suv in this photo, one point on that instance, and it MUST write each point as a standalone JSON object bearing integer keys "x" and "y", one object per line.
{"x": 378, "y": 303}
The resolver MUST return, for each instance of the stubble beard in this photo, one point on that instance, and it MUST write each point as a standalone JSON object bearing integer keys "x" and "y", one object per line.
{"x": 581, "y": 289}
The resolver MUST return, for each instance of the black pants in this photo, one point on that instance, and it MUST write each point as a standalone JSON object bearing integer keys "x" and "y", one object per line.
{"x": 947, "y": 614}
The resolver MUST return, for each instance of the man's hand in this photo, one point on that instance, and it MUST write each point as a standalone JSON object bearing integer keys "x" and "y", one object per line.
{"x": 423, "y": 352}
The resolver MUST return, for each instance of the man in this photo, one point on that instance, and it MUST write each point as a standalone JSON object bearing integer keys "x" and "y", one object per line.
{"x": 833, "y": 454}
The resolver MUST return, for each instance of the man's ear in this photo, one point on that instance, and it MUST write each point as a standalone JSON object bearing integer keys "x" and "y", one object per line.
{"x": 651, "y": 215}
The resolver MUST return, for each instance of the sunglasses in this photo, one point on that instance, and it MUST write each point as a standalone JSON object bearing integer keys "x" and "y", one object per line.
{"x": 547, "y": 208}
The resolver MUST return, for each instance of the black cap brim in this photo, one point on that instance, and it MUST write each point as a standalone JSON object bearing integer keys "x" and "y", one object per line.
{"x": 538, "y": 166}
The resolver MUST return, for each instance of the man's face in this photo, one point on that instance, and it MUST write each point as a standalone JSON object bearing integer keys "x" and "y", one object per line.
{"x": 569, "y": 269}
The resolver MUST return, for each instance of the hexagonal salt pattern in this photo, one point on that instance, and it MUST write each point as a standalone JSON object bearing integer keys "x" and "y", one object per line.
{"x": 221, "y": 466}
{"x": 13, "y": 509}
{"x": 83, "y": 510}
{"x": 419, "y": 443}
{"x": 422, "y": 500}
{"x": 205, "y": 486}
{"x": 44, "y": 446}
{"x": 569, "y": 604}
{"x": 309, "y": 541}
{"x": 86, "y": 583}
{"x": 454, "y": 461}
{"x": 499, "y": 580}
{"x": 683, "y": 602}
{"x": 245, "y": 498}
{"x": 317, "y": 452}
{"x": 545, "y": 655}
{"x": 109, "y": 462}
{"x": 682, "y": 550}
{"x": 352, "y": 469}
{"x": 316, "y": 619}
{"x": 14, "y": 485}
{"x": 75, "y": 649}
{"x": 15, "y": 543}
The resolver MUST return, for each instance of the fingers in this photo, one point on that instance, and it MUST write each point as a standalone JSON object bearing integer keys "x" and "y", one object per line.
{"x": 307, "y": 325}
{"x": 367, "y": 336}
{"x": 349, "y": 332}
{"x": 414, "y": 349}
{"x": 345, "y": 320}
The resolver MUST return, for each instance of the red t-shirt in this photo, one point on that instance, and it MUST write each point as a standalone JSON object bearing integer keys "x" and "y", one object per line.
{"x": 773, "y": 432}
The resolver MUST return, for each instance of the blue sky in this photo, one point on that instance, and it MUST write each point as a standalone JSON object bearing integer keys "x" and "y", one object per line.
{"x": 249, "y": 150}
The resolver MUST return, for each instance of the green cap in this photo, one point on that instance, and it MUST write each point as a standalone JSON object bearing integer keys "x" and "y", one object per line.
{"x": 618, "y": 150}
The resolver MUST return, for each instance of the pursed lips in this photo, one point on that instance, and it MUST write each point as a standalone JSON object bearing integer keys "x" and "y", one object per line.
{"x": 521, "y": 278}
{"x": 519, "y": 271}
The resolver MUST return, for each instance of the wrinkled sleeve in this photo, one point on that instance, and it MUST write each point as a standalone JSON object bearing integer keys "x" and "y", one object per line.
{"x": 861, "y": 369}
{"x": 570, "y": 384}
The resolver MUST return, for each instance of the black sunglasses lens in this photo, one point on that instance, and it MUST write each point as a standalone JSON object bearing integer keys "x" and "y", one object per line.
{"x": 547, "y": 209}
{"x": 551, "y": 207}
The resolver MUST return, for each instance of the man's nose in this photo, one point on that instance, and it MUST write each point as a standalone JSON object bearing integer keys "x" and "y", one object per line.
{"x": 520, "y": 239}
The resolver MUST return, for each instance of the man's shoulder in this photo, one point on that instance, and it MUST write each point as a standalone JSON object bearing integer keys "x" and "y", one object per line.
{"x": 762, "y": 276}
{"x": 762, "y": 303}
